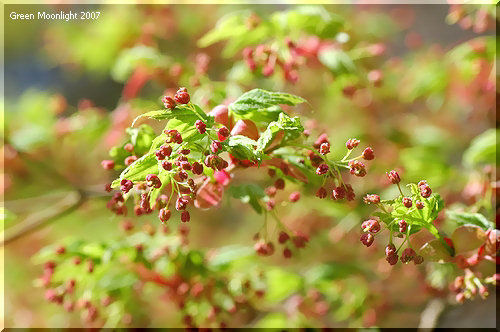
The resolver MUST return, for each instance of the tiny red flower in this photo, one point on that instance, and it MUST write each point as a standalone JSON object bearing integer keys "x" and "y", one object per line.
{"x": 294, "y": 197}
{"x": 164, "y": 215}
{"x": 418, "y": 260}
{"x": 367, "y": 239}
{"x": 390, "y": 249}
{"x": 338, "y": 193}
{"x": 324, "y": 148}
{"x": 168, "y": 102}
{"x": 223, "y": 133}
{"x": 185, "y": 217}
{"x": 201, "y": 126}
{"x": 129, "y": 147}
{"x": 368, "y": 154}
{"x": 129, "y": 160}
{"x": 182, "y": 96}
{"x": 108, "y": 164}
{"x": 215, "y": 146}
{"x": 270, "y": 191}
{"x": 419, "y": 205}
{"x": 357, "y": 168}
{"x": 371, "y": 199}
{"x": 393, "y": 176}
{"x": 370, "y": 225}
{"x": 152, "y": 180}
{"x": 392, "y": 259}
{"x": 322, "y": 169}
{"x": 279, "y": 184}
{"x": 283, "y": 237}
{"x": 321, "y": 193}
{"x": 403, "y": 226}
{"x": 352, "y": 143}
{"x": 197, "y": 168}
{"x": 408, "y": 255}
{"x": 407, "y": 202}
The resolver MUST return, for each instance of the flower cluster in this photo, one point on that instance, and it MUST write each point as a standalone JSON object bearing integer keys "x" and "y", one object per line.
{"x": 288, "y": 58}
{"x": 470, "y": 285}
{"x": 331, "y": 169}
{"x": 75, "y": 289}
{"x": 402, "y": 217}
{"x": 182, "y": 171}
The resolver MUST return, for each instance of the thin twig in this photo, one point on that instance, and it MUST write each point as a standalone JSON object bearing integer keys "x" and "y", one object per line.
{"x": 65, "y": 206}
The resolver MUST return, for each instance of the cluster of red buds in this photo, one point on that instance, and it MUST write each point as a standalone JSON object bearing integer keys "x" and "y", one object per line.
{"x": 180, "y": 97}
{"x": 266, "y": 248}
{"x": 63, "y": 293}
{"x": 469, "y": 17}
{"x": 180, "y": 289}
{"x": 471, "y": 284}
{"x": 267, "y": 59}
{"x": 311, "y": 305}
{"x": 185, "y": 171}
{"x": 330, "y": 169}
{"x": 288, "y": 59}
{"x": 372, "y": 226}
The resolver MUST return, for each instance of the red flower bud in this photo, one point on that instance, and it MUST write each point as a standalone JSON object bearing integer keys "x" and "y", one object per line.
{"x": 168, "y": 102}
{"x": 367, "y": 239}
{"x": 185, "y": 217}
{"x": 408, "y": 255}
{"x": 294, "y": 197}
{"x": 407, "y": 202}
{"x": 368, "y": 154}
{"x": 370, "y": 225}
{"x": 108, "y": 164}
{"x": 352, "y": 143}
{"x": 321, "y": 193}
{"x": 322, "y": 169}
{"x": 393, "y": 176}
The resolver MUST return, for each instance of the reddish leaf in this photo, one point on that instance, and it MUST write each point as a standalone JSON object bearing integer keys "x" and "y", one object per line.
{"x": 246, "y": 128}
{"x": 468, "y": 237}
{"x": 222, "y": 177}
{"x": 434, "y": 251}
{"x": 221, "y": 114}
{"x": 209, "y": 195}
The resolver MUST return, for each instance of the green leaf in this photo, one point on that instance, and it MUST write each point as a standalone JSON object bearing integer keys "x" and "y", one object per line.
{"x": 138, "y": 170}
{"x": 291, "y": 127}
{"x": 249, "y": 193}
{"x": 229, "y": 254}
{"x": 313, "y": 20}
{"x": 132, "y": 58}
{"x": 468, "y": 237}
{"x": 258, "y": 99}
{"x": 117, "y": 278}
{"x": 337, "y": 61}
{"x": 141, "y": 138}
{"x": 434, "y": 250}
{"x": 332, "y": 271}
{"x": 295, "y": 158}
{"x": 281, "y": 284}
{"x": 466, "y": 218}
{"x": 242, "y": 147}
{"x": 482, "y": 149}
{"x": 181, "y": 112}
{"x": 233, "y": 28}
{"x": 275, "y": 320}
{"x": 93, "y": 250}
{"x": 230, "y": 25}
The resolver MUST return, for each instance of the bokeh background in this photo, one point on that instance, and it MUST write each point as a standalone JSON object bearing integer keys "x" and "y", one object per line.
{"x": 71, "y": 89}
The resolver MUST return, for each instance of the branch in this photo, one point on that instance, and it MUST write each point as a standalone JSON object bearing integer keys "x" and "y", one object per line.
{"x": 63, "y": 207}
